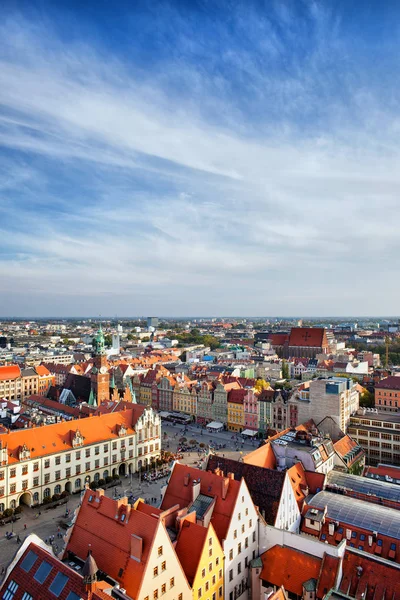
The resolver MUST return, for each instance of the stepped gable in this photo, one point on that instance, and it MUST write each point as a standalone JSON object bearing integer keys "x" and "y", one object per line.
{"x": 265, "y": 485}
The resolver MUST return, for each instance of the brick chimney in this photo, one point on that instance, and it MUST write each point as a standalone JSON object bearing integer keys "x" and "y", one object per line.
{"x": 195, "y": 489}
{"x": 225, "y": 486}
{"x": 136, "y": 547}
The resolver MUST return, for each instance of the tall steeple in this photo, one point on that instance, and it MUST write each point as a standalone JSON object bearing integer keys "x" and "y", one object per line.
{"x": 89, "y": 573}
{"x": 99, "y": 343}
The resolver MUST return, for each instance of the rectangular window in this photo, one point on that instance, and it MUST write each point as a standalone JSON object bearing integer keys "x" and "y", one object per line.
{"x": 36, "y": 466}
{"x": 163, "y": 588}
{"x": 160, "y": 550}
{"x": 230, "y": 574}
{"x": 78, "y": 455}
{"x": 29, "y": 561}
{"x": 87, "y": 452}
{"x": 254, "y": 536}
{"x": 67, "y": 458}
{"x": 217, "y": 561}
{"x": 105, "y": 448}
{"x": 239, "y": 568}
{"x": 35, "y": 481}
{"x": 13, "y": 472}
{"x": 87, "y": 466}
{"x": 105, "y": 460}
{"x": 239, "y": 548}
{"x": 220, "y": 573}
{"x": 96, "y": 464}
{"x": 199, "y": 593}
{"x": 163, "y": 566}
{"x": 68, "y": 472}
{"x": 210, "y": 567}
{"x": 210, "y": 552}
{"x": 58, "y": 475}
{"x": 207, "y": 586}
{"x": 114, "y": 458}
{"x": 27, "y": 596}
{"x": 25, "y": 470}
{"x": 220, "y": 592}
{"x": 246, "y": 543}
{"x": 1, "y": 491}
{"x": 58, "y": 584}
{"x": 246, "y": 512}
{"x": 242, "y": 528}
{"x": 155, "y": 571}
{"x": 47, "y": 463}
{"x": 42, "y": 572}
{"x": 97, "y": 450}
{"x": 203, "y": 573}
{"x": 155, "y": 594}
{"x": 172, "y": 582}
{"x": 230, "y": 554}
{"x": 58, "y": 460}
{"x": 78, "y": 469}
{"x": 47, "y": 478}
{"x": 235, "y": 534}
{"x": 114, "y": 445}
{"x": 10, "y": 591}
{"x": 213, "y": 579}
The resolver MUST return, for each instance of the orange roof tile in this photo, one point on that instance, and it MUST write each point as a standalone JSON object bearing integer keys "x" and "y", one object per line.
{"x": 211, "y": 485}
{"x": 42, "y": 371}
{"x": 262, "y": 457}
{"x": 289, "y": 568}
{"x": 308, "y": 337}
{"x": 51, "y": 439}
{"x": 11, "y": 372}
{"x": 344, "y": 445}
{"x": 363, "y": 576}
{"x": 110, "y": 538}
{"x": 189, "y": 547}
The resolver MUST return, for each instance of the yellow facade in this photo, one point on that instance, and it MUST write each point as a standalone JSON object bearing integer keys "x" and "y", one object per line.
{"x": 235, "y": 416}
{"x": 145, "y": 395}
{"x": 185, "y": 400}
{"x": 209, "y": 578}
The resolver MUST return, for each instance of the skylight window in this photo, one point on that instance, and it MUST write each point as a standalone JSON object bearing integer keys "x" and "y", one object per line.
{"x": 73, "y": 596}
{"x": 43, "y": 572}
{"x": 10, "y": 591}
{"x": 59, "y": 583}
{"x": 29, "y": 561}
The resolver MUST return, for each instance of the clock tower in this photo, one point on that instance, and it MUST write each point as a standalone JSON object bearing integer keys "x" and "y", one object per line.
{"x": 99, "y": 374}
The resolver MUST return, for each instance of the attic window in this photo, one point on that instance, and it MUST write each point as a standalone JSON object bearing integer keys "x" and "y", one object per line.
{"x": 120, "y": 572}
{"x": 90, "y": 498}
{"x": 123, "y": 517}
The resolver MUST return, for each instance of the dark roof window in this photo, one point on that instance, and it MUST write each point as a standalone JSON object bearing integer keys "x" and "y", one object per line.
{"x": 73, "y": 596}
{"x": 29, "y": 561}
{"x": 43, "y": 572}
{"x": 59, "y": 583}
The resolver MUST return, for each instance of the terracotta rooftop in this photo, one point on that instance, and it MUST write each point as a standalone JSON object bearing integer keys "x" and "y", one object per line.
{"x": 189, "y": 547}
{"x": 289, "y": 568}
{"x": 308, "y": 337}
{"x": 11, "y": 372}
{"x": 364, "y": 577}
{"x": 389, "y": 383}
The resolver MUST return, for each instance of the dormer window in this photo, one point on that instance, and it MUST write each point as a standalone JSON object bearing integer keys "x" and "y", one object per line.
{"x": 122, "y": 431}
{"x": 77, "y": 439}
{"x": 24, "y": 453}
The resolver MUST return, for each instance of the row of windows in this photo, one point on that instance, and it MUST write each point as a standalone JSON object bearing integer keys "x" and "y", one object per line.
{"x": 243, "y": 526}
{"x": 200, "y": 592}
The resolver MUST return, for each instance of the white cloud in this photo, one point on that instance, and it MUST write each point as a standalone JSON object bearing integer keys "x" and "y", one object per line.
{"x": 160, "y": 202}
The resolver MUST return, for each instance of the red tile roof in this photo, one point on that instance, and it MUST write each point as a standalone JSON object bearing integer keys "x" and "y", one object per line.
{"x": 278, "y": 339}
{"x": 27, "y": 583}
{"x": 11, "y": 372}
{"x": 210, "y": 485}
{"x": 290, "y": 568}
{"x": 364, "y": 577}
{"x": 308, "y": 337}
{"x": 262, "y": 457}
{"x": 110, "y": 538}
{"x": 390, "y": 383}
{"x": 189, "y": 548}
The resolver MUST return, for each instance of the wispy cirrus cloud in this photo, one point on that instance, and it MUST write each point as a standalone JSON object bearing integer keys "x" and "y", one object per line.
{"x": 247, "y": 170}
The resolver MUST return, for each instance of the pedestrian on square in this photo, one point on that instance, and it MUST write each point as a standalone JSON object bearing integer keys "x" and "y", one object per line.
{"x": 24, "y": 525}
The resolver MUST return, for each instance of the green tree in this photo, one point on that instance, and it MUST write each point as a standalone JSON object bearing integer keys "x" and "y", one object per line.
{"x": 285, "y": 370}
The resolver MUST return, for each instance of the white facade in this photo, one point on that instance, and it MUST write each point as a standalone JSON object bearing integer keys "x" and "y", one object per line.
{"x": 240, "y": 545}
{"x": 288, "y": 516}
{"x": 30, "y": 480}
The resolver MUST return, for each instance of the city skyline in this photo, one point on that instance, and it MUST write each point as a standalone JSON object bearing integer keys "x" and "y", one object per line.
{"x": 199, "y": 157}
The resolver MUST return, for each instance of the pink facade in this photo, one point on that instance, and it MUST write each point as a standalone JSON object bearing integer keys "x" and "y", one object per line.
{"x": 250, "y": 410}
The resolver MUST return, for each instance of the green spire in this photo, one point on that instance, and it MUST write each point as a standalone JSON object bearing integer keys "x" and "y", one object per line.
{"x": 133, "y": 394}
{"x": 99, "y": 344}
{"x": 92, "y": 398}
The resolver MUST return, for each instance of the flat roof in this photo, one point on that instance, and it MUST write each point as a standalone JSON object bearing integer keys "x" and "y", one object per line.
{"x": 201, "y": 504}
{"x": 364, "y": 485}
{"x": 391, "y": 417}
{"x": 359, "y": 513}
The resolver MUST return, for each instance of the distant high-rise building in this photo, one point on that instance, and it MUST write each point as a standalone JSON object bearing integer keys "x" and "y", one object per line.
{"x": 152, "y": 322}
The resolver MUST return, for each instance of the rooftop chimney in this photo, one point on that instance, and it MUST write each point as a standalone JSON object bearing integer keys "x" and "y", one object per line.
{"x": 195, "y": 489}
{"x": 136, "y": 547}
{"x": 186, "y": 479}
{"x": 225, "y": 486}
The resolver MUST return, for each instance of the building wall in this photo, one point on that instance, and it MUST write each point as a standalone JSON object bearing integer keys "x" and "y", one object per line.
{"x": 387, "y": 399}
{"x": 162, "y": 551}
{"x": 41, "y": 477}
{"x": 235, "y": 416}
{"x": 288, "y": 516}
{"x": 380, "y": 439}
{"x": 213, "y": 568}
{"x": 235, "y": 586}
{"x": 11, "y": 389}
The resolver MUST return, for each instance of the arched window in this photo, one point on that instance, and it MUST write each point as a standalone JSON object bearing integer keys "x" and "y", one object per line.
{"x": 105, "y": 474}
{"x": 2, "y": 507}
{"x": 47, "y": 493}
{"x": 36, "y": 497}
{"x": 57, "y": 489}
{"x": 78, "y": 484}
{"x": 96, "y": 476}
{"x": 13, "y": 504}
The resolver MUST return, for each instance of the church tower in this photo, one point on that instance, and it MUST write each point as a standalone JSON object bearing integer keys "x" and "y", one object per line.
{"x": 99, "y": 374}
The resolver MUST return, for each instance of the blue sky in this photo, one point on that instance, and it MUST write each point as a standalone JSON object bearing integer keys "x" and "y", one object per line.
{"x": 210, "y": 157}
